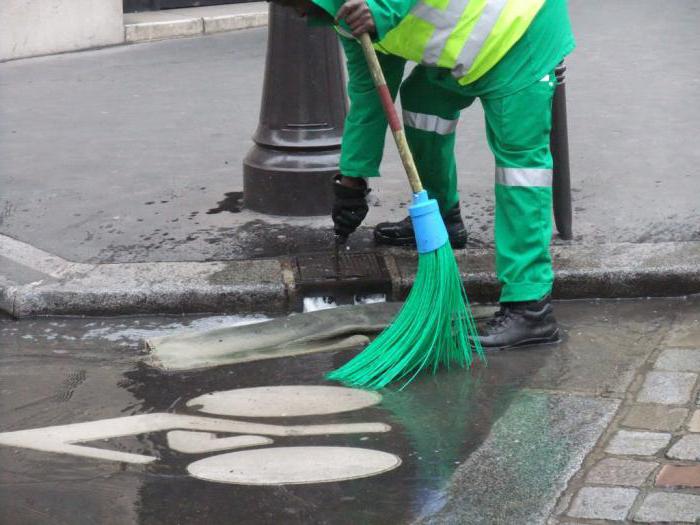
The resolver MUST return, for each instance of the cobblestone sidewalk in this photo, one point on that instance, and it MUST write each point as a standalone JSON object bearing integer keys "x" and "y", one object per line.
{"x": 646, "y": 468}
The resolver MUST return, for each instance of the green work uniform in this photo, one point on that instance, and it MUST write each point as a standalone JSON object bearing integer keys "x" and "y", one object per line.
{"x": 516, "y": 95}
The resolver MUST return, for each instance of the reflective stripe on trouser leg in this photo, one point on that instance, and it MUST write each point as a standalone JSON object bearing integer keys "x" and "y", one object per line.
{"x": 431, "y": 123}
{"x": 518, "y": 129}
{"x": 431, "y": 113}
{"x": 432, "y": 142}
{"x": 527, "y": 177}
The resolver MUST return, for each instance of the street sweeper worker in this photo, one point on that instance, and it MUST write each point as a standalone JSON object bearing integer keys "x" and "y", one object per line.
{"x": 501, "y": 51}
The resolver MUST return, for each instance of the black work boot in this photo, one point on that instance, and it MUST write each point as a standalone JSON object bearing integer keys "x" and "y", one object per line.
{"x": 401, "y": 233}
{"x": 520, "y": 324}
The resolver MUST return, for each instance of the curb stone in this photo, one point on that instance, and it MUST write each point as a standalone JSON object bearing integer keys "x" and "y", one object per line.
{"x": 175, "y": 23}
{"x": 270, "y": 285}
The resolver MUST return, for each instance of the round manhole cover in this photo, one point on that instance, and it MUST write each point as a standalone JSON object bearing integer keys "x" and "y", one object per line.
{"x": 284, "y": 401}
{"x": 293, "y": 465}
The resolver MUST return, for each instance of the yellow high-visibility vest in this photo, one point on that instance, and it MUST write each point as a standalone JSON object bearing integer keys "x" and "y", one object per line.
{"x": 468, "y": 37}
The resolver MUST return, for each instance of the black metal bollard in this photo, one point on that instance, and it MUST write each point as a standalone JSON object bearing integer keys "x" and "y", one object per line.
{"x": 559, "y": 144}
{"x": 297, "y": 144}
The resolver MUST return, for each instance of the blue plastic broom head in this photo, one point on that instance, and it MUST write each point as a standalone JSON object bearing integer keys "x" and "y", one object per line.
{"x": 428, "y": 225}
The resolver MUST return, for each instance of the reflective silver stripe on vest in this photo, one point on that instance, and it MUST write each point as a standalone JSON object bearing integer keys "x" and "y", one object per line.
{"x": 480, "y": 31}
{"x": 430, "y": 123}
{"x": 523, "y": 176}
{"x": 444, "y": 22}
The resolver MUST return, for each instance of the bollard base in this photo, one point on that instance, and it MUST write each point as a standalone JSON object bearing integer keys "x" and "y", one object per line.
{"x": 288, "y": 182}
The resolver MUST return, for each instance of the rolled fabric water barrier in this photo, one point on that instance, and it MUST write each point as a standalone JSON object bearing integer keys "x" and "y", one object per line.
{"x": 428, "y": 225}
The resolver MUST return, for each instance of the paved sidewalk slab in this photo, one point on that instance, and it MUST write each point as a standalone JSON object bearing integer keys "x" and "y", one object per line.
{"x": 667, "y": 388}
{"x": 687, "y": 448}
{"x": 598, "y": 503}
{"x": 679, "y": 359}
{"x": 614, "y": 471}
{"x": 694, "y": 425}
{"x": 655, "y": 417}
{"x": 679, "y": 476}
{"x": 668, "y": 507}
{"x": 627, "y": 442}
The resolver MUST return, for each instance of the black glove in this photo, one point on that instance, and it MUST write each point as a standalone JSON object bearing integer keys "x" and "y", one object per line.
{"x": 349, "y": 208}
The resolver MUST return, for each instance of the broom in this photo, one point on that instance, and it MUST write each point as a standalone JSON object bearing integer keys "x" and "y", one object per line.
{"x": 435, "y": 327}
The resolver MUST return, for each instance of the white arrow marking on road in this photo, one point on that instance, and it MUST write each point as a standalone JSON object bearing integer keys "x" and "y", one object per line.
{"x": 199, "y": 442}
{"x": 62, "y": 439}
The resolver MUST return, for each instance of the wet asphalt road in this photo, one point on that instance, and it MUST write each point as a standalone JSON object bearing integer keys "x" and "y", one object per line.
{"x": 59, "y": 371}
{"x": 134, "y": 153}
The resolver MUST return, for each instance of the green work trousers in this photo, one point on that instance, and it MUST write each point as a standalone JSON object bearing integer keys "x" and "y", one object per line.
{"x": 517, "y": 129}
{"x": 365, "y": 124}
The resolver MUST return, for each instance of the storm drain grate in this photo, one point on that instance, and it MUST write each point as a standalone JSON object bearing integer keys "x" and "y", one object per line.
{"x": 350, "y": 273}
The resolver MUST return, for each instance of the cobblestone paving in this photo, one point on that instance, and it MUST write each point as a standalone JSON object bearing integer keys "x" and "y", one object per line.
{"x": 646, "y": 467}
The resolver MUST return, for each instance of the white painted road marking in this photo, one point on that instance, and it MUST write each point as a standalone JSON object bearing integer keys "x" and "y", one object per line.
{"x": 61, "y": 439}
{"x": 39, "y": 260}
{"x": 293, "y": 465}
{"x": 199, "y": 442}
{"x": 198, "y": 434}
{"x": 285, "y": 401}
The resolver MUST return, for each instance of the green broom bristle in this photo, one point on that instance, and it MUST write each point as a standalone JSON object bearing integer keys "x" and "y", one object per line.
{"x": 434, "y": 328}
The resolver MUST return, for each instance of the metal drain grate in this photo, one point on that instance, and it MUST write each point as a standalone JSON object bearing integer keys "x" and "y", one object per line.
{"x": 351, "y": 273}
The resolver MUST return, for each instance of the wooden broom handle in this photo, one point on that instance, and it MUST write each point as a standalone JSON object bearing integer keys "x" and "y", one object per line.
{"x": 390, "y": 112}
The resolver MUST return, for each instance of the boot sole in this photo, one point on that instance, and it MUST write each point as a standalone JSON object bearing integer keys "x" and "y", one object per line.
{"x": 539, "y": 341}
{"x": 456, "y": 244}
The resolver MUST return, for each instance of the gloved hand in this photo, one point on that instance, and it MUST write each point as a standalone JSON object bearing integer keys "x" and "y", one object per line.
{"x": 358, "y": 16}
{"x": 349, "y": 207}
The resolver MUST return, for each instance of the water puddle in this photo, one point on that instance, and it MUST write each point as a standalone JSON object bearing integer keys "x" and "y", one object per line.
{"x": 272, "y": 442}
